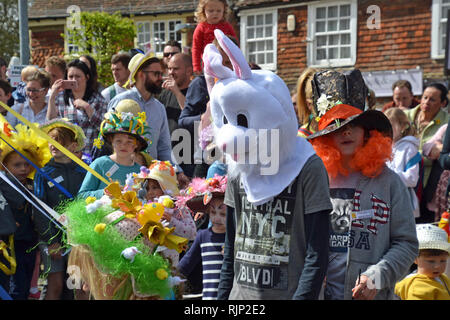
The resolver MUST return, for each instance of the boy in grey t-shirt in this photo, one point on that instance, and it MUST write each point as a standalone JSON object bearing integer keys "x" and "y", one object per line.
{"x": 278, "y": 250}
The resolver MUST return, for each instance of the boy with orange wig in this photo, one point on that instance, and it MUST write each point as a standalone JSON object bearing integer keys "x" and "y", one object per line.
{"x": 372, "y": 235}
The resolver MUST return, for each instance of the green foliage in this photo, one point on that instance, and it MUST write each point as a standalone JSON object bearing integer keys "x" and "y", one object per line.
{"x": 101, "y": 35}
{"x": 9, "y": 29}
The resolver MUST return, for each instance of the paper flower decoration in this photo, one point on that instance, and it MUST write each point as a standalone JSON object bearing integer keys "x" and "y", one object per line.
{"x": 127, "y": 202}
{"x": 324, "y": 104}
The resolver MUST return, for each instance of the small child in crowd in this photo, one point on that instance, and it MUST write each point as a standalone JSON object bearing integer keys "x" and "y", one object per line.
{"x": 69, "y": 175}
{"x": 210, "y": 14}
{"x": 160, "y": 181}
{"x": 19, "y": 172}
{"x": 428, "y": 282}
{"x": 127, "y": 134}
{"x": 406, "y": 157}
{"x": 207, "y": 249}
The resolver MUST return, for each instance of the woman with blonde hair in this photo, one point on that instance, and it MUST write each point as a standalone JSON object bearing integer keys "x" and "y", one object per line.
{"x": 306, "y": 117}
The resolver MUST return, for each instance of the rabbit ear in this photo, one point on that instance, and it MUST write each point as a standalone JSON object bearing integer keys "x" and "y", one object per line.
{"x": 240, "y": 65}
{"x": 212, "y": 60}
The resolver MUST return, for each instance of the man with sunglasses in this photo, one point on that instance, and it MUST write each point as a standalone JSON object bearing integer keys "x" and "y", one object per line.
{"x": 171, "y": 48}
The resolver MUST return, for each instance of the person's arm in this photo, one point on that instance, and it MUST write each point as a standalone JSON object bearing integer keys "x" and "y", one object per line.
{"x": 197, "y": 44}
{"x": 444, "y": 158}
{"x": 195, "y": 104}
{"x": 227, "y": 271}
{"x": 91, "y": 186}
{"x": 316, "y": 260}
{"x": 52, "y": 110}
{"x": 164, "y": 147}
{"x": 191, "y": 259}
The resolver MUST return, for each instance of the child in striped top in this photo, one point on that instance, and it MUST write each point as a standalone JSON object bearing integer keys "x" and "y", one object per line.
{"x": 208, "y": 248}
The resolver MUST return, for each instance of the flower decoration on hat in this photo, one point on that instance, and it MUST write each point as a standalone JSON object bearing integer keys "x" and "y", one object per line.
{"x": 201, "y": 191}
{"x": 324, "y": 104}
{"x": 163, "y": 172}
{"x": 127, "y": 202}
{"x": 125, "y": 122}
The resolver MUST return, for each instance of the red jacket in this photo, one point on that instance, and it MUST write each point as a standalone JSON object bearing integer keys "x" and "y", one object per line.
{"x": 204, "y": 34}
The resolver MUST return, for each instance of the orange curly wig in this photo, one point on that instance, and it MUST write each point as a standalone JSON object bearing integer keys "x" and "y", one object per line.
{"x": 369, "y": 159}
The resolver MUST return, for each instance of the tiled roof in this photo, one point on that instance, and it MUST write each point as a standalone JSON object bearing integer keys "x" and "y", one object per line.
{"x": 55, "y": 9}
{"x": 246, "y": 4}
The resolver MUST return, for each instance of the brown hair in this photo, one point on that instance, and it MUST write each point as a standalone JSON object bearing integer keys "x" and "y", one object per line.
{"x": 62, "y": 135}
{"x": 397, "y": 115}
{"x": 123, "y": 58}
{"x": 41, "y": 76}
{"x": 402, "y": 84}
{"x": 200, "y": 12}
{"x": 57, "y": 62}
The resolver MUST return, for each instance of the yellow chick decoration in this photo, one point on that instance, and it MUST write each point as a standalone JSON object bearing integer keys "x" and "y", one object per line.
{"x": 100, "y": 228}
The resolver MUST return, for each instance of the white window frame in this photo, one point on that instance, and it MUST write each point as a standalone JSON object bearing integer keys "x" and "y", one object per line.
{"x": 149, "y": 33}
{"x": 311, "y": 35}
{"x": 438, "y": 26}
{"x": 152, "y": 36}
{"x": 244, "y": 41}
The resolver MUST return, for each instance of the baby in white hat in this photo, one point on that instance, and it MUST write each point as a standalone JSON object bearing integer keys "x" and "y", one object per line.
{"x": 429, "y": 282}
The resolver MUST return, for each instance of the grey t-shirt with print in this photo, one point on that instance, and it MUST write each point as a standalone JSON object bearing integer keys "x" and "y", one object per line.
{"x": 270, "y": 245}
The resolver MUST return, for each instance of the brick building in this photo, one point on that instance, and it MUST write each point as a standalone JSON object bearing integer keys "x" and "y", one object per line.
{"x": 386, "y": 39}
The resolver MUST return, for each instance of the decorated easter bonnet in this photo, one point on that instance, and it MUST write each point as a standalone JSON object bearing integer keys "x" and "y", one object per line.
{"x": 80, "y": 137}
{"x": 26, "y": 141}
{"x": 201, "y": 191}
{"x": 135, "y": 63}
{"x": 128, "y": 105}
{"x": 164, "y": 173}
{"x": 127, "y": 123}
{"x": 340, "y": 98}
{"x": 432, "y": 237}
{"x": 123, "y": 236}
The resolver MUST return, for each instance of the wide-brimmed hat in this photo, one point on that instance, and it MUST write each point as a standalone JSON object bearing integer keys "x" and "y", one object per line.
{"x": 201, "y": 191}
{"x": 340, "y": 98}
{"x": 127, "y": 123}
{"x": 164, "y": 173}
{"x": 432, "y": 237}
{"x": 135, "y": 63}
{"x": 80, "y": 137}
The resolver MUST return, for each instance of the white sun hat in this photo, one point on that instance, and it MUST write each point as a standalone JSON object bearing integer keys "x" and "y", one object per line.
{"x": 432, "y": 237}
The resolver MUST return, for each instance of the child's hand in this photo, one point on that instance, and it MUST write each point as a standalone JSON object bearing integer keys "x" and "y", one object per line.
{"x": 364, "y": 289}
{"x": 55, "y": 251}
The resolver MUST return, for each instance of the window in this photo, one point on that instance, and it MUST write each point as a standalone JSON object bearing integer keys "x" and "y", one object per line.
{"x": 332, "y": 34}
{"x": 157, "y": 35}
{"x": 259, "y": 38}
{"x": 439, "y": 13}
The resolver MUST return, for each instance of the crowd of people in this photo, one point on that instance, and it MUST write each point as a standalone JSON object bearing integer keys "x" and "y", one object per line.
{"x": 95, "y": 178}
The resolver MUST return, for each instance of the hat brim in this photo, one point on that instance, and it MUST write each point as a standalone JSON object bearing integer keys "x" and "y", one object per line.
{"x": 196, "y": 204}
{"x": 57, "y": 123}
{"x": 139, "y": 63}
{"x": 370, "y": 120}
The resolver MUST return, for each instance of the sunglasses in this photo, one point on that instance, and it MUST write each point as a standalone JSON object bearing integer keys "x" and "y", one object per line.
{"x": 167, "y": 54}
{"x": 155, "y": 73}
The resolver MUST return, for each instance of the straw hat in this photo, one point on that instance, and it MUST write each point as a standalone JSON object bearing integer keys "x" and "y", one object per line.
{"x": 80, "y": 137}
{"x": 432, "y": 237}
{"x": 135, "y": 63}
{"x": 128, "y": 105}
{"x": 164, "y": 173}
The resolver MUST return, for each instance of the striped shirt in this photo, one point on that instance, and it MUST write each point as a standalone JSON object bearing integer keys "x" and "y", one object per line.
{"x": 207, "y": 247}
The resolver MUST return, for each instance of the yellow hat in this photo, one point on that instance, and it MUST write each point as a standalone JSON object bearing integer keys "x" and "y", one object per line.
{"x": 80, "y": 137}
{"x": 164, "y": 173}
{"x": 135, "y": 63}
{"x": 128, "y": 105}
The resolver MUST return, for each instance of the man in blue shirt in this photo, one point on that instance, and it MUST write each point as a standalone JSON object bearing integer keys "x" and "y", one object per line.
{"x": 146, "y": 76}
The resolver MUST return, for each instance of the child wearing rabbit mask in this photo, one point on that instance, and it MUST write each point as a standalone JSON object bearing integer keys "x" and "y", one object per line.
{"x": 271, "y": 251}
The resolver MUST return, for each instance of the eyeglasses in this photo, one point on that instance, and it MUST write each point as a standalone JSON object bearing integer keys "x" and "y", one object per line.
{"x": 167, "y": 54}
{"x": 35, "y": 90}
{"x": 155, "y": 73}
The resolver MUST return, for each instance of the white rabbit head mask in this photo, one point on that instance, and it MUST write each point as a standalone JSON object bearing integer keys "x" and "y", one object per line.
{"x": 255, "y": 123}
